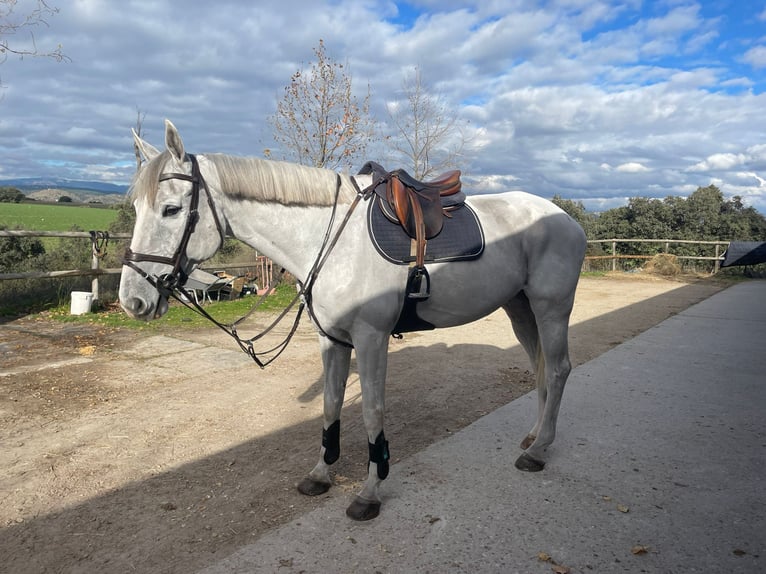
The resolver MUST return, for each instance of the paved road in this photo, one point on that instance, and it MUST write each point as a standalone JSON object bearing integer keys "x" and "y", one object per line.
{"x": 661, "y": 451}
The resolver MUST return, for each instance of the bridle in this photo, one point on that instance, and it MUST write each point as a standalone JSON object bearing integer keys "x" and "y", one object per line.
{"x": 167, "y": 283}
{"x": 172, "y": 284}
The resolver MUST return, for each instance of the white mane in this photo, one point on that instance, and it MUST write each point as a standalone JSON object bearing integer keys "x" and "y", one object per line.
{"x": 258, "y": 179}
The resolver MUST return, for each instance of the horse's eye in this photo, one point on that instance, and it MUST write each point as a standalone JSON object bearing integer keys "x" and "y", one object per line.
{"x": 170, "y": 210}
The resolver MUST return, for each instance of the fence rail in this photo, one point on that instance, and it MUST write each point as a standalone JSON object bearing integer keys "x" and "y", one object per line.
{"x": 262, "y": 265}
{"x": 84, "y": 234}
{"x": 96, "y": 239}
{"x": 58, "y": 274}
{"x": 614, "y": 256}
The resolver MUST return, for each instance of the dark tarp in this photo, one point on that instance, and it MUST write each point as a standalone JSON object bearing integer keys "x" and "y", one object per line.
{"x": 744, "y": 253}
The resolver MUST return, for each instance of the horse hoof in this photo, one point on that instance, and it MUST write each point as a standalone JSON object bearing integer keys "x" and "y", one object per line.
{"x": 361, "y": 509}
{"x": 529, "y": 464}
{"x": 527, "y": 442}
{"x": 311, "y": 487}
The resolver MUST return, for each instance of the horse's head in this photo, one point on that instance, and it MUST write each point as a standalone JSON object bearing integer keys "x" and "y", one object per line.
{"x": 174, "y": 230}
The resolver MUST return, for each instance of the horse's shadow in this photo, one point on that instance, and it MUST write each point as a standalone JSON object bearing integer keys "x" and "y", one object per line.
{"x": 187, "y": 517}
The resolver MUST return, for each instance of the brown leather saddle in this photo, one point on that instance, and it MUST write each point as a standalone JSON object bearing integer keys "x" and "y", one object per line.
{"x": 418, "y": 206}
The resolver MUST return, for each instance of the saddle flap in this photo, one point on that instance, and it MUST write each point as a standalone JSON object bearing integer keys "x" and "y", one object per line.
{"x": 413, "y": 207}
{"x": 401, "y": 202}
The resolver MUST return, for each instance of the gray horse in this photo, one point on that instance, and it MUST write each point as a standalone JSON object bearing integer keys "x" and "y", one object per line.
{"x": 530, "y": 267}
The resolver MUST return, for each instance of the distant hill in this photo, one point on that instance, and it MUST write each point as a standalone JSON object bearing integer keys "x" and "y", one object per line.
{"x": 51, "y": 189}
{"x": 26, "y": 184}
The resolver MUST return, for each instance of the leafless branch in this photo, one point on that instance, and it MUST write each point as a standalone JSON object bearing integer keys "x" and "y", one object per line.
{"x": 12, "y": 25}
{"x": 430, "y": 136}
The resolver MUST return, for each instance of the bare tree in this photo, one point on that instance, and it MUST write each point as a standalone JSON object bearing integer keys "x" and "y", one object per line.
{"x": 12, "y": 24}
{"x": 319, "y": 122}
{"x": 430, "y": 137}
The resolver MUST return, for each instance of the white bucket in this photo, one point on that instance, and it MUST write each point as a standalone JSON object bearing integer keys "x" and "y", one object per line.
{"x": 81, "y": 302}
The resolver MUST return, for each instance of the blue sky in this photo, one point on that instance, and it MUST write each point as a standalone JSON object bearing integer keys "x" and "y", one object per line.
{"x": 594, "y": 100}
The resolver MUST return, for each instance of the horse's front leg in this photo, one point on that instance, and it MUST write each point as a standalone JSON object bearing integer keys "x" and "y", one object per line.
{"x": 336, "y": 360}
{"x": 372, "y": 356}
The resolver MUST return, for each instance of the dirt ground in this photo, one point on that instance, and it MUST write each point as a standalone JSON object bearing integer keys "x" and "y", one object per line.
{"x": 164, "y": 452}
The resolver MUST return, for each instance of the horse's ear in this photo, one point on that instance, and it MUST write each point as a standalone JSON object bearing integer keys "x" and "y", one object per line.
{"x": 173, "y": 142}
{"x": 144, "y": 148}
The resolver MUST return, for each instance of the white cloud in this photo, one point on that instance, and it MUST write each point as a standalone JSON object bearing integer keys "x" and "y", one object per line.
{"x": 740, "y": 82}
{"x": 631, "y": 167}
{"x": 719, "y": 162}
{"x": 757, "y": 156}
{"x": 751, "y": 179}
{"x": 491, "y": 184}
{"x": 699, "y": 41}
{"x": 564, "y": 96}
{"x": 756, "y": 57}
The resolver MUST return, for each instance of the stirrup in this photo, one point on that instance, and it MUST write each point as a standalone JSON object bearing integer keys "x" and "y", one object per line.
{"x": 418, "y": 284}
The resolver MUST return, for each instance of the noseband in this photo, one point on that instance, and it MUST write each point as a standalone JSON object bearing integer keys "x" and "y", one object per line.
{"x": 167, "y": 283}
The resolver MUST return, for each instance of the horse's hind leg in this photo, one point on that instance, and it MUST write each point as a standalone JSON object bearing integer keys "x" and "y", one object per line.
{"x": 525, "y": 329}
{"x": 553, "y": 327}
{"x": 336, "y": 360}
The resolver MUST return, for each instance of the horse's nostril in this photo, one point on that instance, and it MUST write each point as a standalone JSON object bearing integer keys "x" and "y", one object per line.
{"x": 135, "y": 306}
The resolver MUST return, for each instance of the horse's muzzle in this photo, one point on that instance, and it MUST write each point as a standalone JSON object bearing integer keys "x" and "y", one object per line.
{"x": 139, "y": 308}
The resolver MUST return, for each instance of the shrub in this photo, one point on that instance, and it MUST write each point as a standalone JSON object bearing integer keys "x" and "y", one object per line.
{"x": 11, "y": 195}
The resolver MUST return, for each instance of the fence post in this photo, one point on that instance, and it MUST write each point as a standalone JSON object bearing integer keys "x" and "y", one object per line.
{"x": 717, "y": 265}
{"x": 98, "y": 242}
{"x": 614, "y": 256}
{"x": 94, "y": 281}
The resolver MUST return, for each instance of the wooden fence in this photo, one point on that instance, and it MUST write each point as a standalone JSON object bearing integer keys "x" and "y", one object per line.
{"x": 614, "y": 257}
{"x": 262, "y": 267}
{"x": 98, "y": 240}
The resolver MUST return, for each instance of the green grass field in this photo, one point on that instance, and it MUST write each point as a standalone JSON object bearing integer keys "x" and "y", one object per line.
{"x": 180, "y": 316}
{"x": 44, "y": 217}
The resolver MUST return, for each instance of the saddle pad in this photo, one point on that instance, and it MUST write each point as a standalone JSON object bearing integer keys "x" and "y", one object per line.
{"x": 461, "y": 238}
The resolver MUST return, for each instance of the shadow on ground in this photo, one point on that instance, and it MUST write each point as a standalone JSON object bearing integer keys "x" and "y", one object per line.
{"x": 182, "y": 520}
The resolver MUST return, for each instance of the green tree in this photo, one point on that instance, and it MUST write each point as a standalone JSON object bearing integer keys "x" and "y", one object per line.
{"x": 648, "y": 219}
{"x": 703, "y": 213}
{"x": 11, "y": 195}
{"x": 678, "y": 215}
{"x": 613, "y": 223}
{"x": 319, "y": 122}
{"x": 741, "y": 223}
